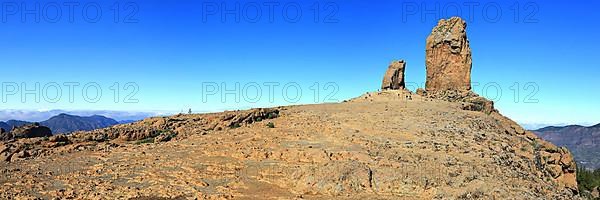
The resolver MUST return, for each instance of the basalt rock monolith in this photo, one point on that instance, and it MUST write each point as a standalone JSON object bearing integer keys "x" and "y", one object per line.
{"x": 394, "y": 76}
{"x": 448, "y": 57}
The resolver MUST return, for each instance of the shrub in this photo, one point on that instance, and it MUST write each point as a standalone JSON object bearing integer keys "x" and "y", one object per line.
{"x": 270, "y": 125}
{"x": 587, "y": 180}
{"x": 272, "y": 115}
{"x": 145, "y": 141}
{"x": 524, "y": 148}
{"x": 165, "y": 136}
{"x": 235, "y": 125}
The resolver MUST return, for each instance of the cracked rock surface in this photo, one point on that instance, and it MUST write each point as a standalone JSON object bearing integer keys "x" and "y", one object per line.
{"x": 386, "y": 145}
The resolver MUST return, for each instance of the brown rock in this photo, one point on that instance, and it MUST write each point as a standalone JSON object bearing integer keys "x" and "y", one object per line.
{"x": 479, "y": 104}
{"x": 31, "y": 131}
{"x": 482, "y": 104}
{"x": 160, "y": 123}
{"x": 165, "y": 136}
{"x": 250, "y": 116}
{"x": 554, "y": 170}
{"x": 20, "y": 155}
{"x": 554, "y": 158}
{"x": 518, "y": 129}
{"x": 6, "y": 156}
{"x": 567, "y": 161}
{"x": 4, "y": 136}
{"x": 58, "y": 138}
{"x": 568, "y": 180}
{"x": 421, "y": 92}
{"x": 394, "y": 76}
{"x": 448, "y": 57}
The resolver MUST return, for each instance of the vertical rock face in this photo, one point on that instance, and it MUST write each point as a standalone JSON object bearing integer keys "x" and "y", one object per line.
{"x": 394, "y": 76}
{"x": 448, "y": 57}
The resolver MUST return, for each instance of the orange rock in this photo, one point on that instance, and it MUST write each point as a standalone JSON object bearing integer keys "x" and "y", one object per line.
{"x": 568, "y": 180}
{"x": 448, "y": 57}
{"x": 394, "y": 76}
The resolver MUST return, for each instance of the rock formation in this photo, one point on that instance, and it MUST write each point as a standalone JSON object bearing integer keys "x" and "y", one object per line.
{"x": 576, "y": 137}
{"x": 383, "y": 145}
{"x": 31, "y": 131}
{"x": 448, "y": 57}
{"x": 394, "y": 76}
{"x": 448, "y": 60}
{"x": 5, "y": 135}
{"x": 424, "y": 149}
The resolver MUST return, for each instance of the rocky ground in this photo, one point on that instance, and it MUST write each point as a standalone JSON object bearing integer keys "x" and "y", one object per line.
{"x": 385, "y": 145}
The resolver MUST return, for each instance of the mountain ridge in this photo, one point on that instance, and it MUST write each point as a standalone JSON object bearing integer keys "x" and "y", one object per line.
{"x": 547, "y": 128}
{"x": 5, "y": 126}
{"x": 583, "y": 141}
{"x": 65, "y": 123}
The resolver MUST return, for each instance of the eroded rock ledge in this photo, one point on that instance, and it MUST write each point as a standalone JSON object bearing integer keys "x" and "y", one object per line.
{"x": 157, "y": 129}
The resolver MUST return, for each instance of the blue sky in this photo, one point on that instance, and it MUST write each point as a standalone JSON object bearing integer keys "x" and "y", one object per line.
{"x": 166, "y": 51}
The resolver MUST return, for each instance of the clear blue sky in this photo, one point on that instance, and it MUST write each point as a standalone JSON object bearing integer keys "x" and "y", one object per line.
{"x": 170, "y": 48}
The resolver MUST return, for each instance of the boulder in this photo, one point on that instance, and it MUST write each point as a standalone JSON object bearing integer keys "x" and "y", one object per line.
{"x": 31, "y": 131}
{"x": 165, "y": 136}
{"x": 479, "y": 104}
{"x": 421, "y": 92}
{"x": 59, "y": 138}
{"x": 5, "y": 136}
{"x": 554, "y": 170}
{"x": 569, "y": 181}
{"x": 394, "y": 76}
{"x": 233, "y": 120}
{"x": 448, "y": 57}
{"x": 596, "y": 193}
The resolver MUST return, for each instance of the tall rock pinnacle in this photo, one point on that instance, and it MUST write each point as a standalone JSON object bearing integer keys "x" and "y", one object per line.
{"x": 448, "y": 57}
{"x": 394, "y": 76}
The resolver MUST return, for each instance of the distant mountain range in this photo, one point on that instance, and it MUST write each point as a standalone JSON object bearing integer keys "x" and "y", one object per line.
{"x": 7, "y": 126}
{"x": 584, "y": 142}
{"x": 127, "y": 121}
{"x": 64, "y": 123}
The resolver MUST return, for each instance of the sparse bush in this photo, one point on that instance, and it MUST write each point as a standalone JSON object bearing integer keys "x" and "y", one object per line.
{"x": 235, "y": 125}
{"x": 536, "y": 145}
{"x": 587, "y": 180}
{"x": 145, "y": 141}
{"x": 272, "y": 115}
{"x": 165, "y": 136}
{"x": 270, "y": 125}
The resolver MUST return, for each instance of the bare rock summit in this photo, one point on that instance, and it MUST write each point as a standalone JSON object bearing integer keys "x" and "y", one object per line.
{"x": 394, "y": 76}
{"x": 448, "y": 57}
